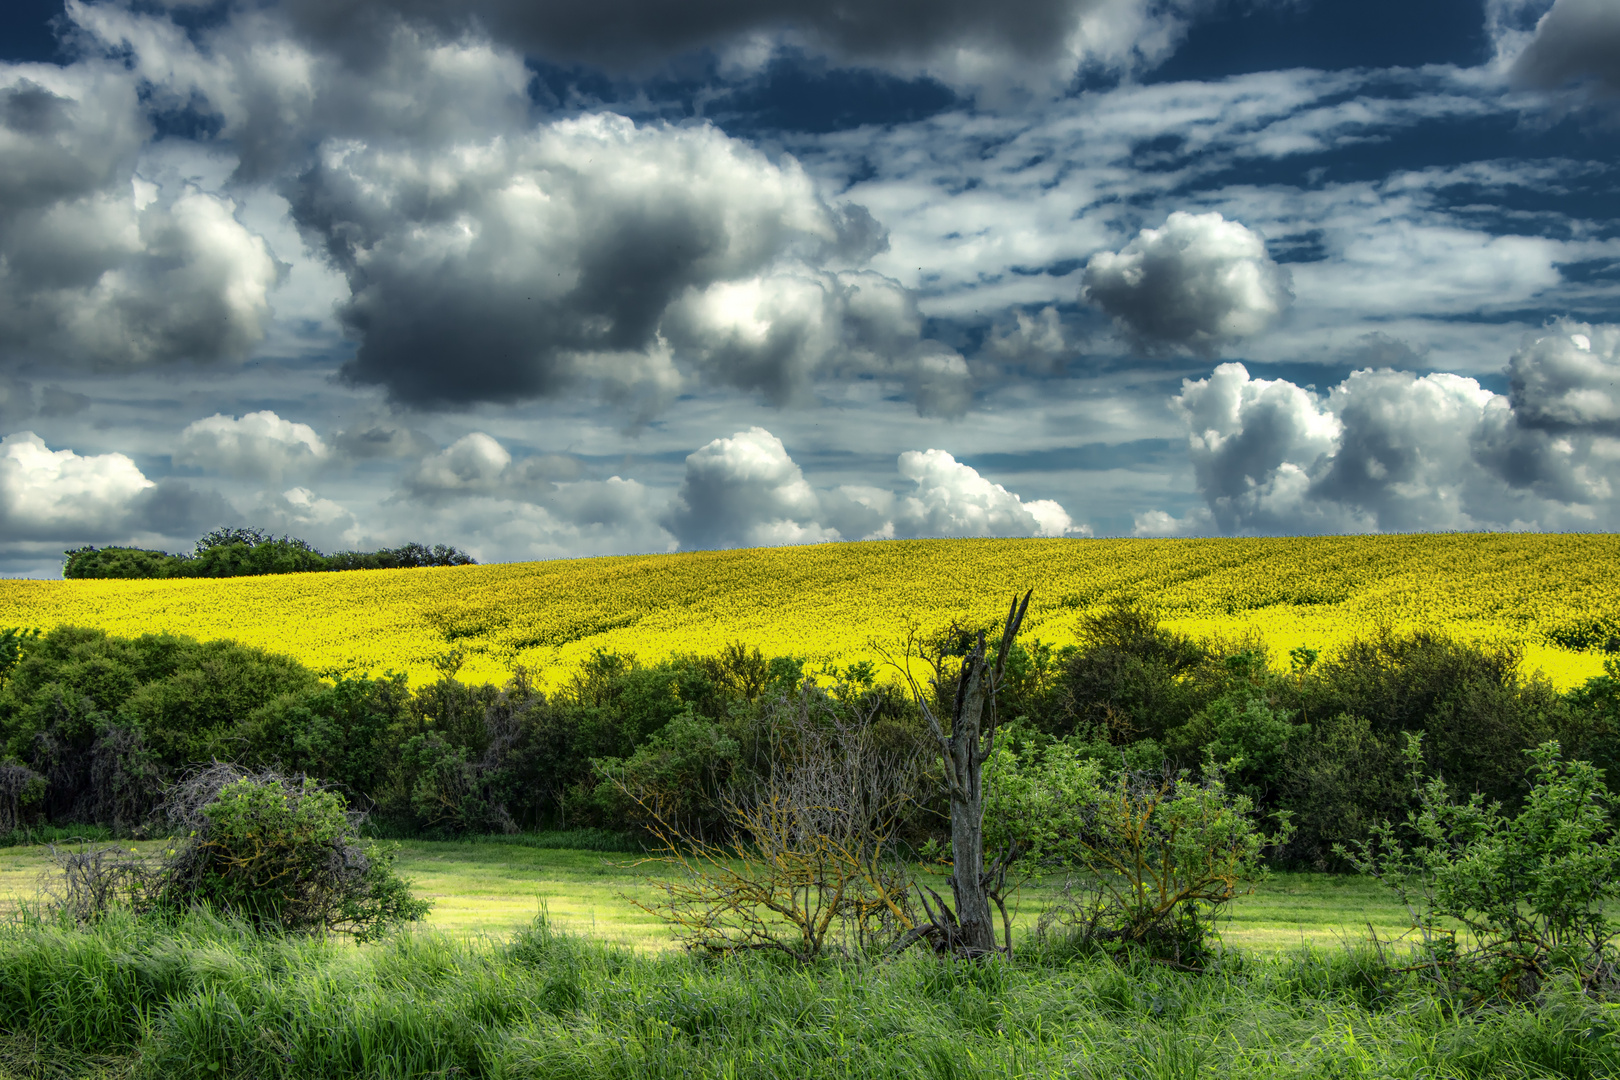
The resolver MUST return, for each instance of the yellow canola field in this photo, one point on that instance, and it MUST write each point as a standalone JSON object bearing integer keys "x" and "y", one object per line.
{"x": 827, "y": 603}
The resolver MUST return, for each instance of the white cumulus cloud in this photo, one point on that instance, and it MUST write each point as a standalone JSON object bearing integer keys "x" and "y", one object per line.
{"x": 1395, "y": 451}
{"x": 259, "y": 445}
{"x": 50, "y": 492}
{"x": 747, "y": 491}
{"x": 952, "y": 499}
{"x": 1568, "y": 378}
{"x": 69, "y": 498}
{"x": 1199, "y": 282}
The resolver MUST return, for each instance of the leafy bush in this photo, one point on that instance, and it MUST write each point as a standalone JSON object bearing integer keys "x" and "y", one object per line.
{"x": 1157, "y": 856}
{"x": 280, "y": 852}
{"x": 1500, "y": 904}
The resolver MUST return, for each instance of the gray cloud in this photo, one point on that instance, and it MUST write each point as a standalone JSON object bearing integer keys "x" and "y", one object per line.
{"x": 380, "y": 438}
{"x": 98, "y": 265}
{"x": 260, "y": 445}
{"x": 779, "y": 333}
{"x": 1568, "y": 379}
{"x": 595, "y": 254}
{"x": 474, "y": 464}
{"x": 16, "y": 400}
{"x": 527, "y": 266}
{"x": 1199, "y": 282}
{"x": 1252, "y": 442}
{"x": 55, "y": 401}
{"x": 1575, "y": 41}
{"x": 959, "y": 40}
{"x": 1036, "y": 342}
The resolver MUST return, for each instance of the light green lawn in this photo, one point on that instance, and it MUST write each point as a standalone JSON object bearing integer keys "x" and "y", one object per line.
{"x": 497, "y": 888}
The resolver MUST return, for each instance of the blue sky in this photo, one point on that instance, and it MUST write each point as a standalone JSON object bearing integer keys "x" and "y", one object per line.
{"x": 585, "y": 278}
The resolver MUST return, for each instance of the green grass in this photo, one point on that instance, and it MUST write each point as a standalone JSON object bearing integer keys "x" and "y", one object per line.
{"x": 479, "y": 886}
{"x": 593, "y": 990}
{"x": 200, "y": 999}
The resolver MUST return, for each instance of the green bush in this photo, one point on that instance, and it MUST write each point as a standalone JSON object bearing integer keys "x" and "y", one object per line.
{"x": 1157, "y": 856}
{"x": 1501, "y": 904}
{"x": 277, "y": 852}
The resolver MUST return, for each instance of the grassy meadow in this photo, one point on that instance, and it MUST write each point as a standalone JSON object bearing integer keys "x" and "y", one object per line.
{"x": 198, "y": 998}
{"x": 1554, "y": 595}
{"x": 497, "y": 888}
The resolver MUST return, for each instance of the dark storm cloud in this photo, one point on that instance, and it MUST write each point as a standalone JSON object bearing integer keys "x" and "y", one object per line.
{"x": 1577, "y": 41}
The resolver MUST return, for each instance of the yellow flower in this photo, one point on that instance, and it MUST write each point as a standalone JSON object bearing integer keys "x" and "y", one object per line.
{"x": 827, "y": 603}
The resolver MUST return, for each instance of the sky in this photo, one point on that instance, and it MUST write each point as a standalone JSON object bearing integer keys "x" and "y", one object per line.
{"x": 572, "y": 278}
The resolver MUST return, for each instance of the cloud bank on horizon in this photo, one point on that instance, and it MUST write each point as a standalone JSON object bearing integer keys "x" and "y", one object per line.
{"x": 570, "y": 279}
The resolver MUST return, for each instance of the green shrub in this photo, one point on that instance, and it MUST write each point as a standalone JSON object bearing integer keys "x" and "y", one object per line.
{"x": 1502, "y": 904}
{"x": 1152, "y": 858}
{"x": 278, "y": 852}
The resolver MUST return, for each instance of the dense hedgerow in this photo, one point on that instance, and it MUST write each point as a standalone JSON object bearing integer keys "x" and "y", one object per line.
{"x": 93, "y": 727}
{"x": 228, "y": 552}
{"x": 205, "y": 998}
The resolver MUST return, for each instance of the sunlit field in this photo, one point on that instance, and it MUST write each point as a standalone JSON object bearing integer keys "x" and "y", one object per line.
{"x": 498, "y": 888}
{"x": 830, "y": 603}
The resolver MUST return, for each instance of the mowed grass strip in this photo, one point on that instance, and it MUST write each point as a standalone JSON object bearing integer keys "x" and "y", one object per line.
{"x": 497, "y": 889}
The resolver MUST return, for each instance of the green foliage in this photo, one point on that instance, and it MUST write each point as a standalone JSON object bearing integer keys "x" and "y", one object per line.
{"x": 1130, "y": 679}
{"x": 239, "y": 552}
{"x": 272, "y": 851}
{"x": 340, "y": 733}
{"x": 1336, "y": 784}
{"x": 106, "y": 720}
{"x": 1504, "y": 903}
{"x": 1158, "y": 856}
{"x": 283, "y": 853}
{"x": 14, "y": 641}
{"x": 682, "y": 768}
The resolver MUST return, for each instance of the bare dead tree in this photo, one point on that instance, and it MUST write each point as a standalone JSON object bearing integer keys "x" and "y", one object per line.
{"x": 968, "y": 929}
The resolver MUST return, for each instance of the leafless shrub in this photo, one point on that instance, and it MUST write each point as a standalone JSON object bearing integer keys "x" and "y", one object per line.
{"x": 811, "y": 856}
{"x": 92, "y": 880}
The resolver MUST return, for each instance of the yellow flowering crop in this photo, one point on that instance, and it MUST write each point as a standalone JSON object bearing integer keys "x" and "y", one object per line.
{"x": 827, "y": 602}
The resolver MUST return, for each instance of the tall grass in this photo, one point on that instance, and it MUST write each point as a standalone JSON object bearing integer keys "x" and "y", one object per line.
{"x": 204, "y": 998}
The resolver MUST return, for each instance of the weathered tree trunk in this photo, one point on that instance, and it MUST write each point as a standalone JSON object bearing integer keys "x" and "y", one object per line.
{"x": 965, "y": 751}
{"x": 970, "y": 928}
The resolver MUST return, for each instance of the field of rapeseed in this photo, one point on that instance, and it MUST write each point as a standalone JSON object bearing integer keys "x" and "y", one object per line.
{"x": 1554, "y": 595}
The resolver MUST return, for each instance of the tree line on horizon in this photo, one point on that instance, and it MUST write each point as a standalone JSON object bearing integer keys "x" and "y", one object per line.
{"x": 245, "y": 552}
